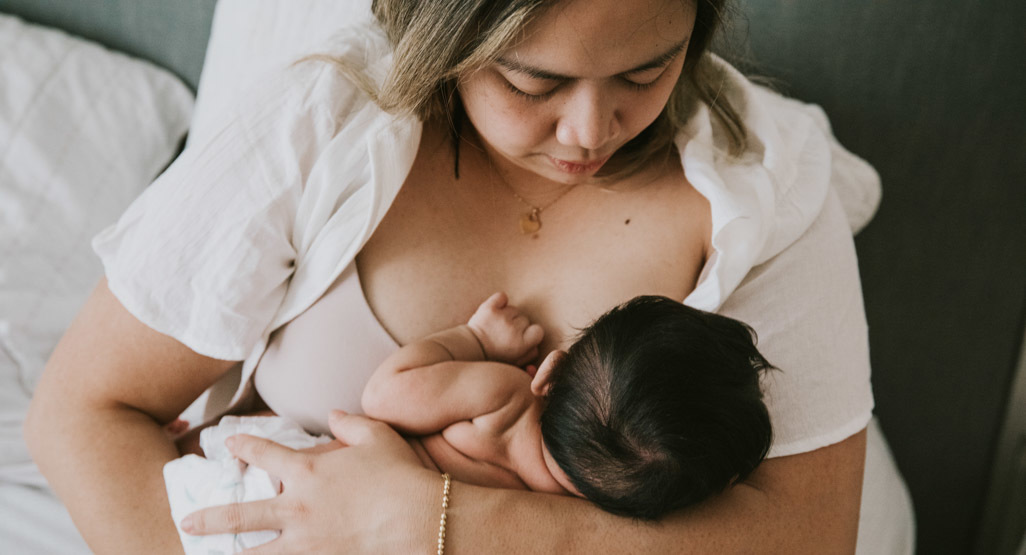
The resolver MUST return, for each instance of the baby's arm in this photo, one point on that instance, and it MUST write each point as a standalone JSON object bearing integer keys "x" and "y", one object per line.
{"x": 449, "y": 376}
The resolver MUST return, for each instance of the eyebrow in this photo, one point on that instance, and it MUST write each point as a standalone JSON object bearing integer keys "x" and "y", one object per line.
{"x": 538, "y": 73}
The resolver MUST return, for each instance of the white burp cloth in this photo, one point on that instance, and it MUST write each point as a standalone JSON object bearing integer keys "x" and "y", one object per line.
{"x": 195, "y": 482}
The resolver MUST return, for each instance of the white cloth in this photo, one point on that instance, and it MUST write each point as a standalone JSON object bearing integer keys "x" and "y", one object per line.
{"x": 83, "y": 130}
{"x": 886, "y": 522}
{"x": 244, "y": 232}
{"x": 34, "y": 522}
{"x": 195, "y": 482}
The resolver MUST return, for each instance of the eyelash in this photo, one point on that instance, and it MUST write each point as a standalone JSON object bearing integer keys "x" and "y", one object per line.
{"x": 639, "y": 86}
{"x": 539, "y": 97}
{"x": 528, "y": 96}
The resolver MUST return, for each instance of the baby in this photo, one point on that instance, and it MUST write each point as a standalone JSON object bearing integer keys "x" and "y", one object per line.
{"x": 656, "y": 406}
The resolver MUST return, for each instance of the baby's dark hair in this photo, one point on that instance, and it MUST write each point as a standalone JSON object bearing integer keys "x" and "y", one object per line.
{"x": 656, "y": 407}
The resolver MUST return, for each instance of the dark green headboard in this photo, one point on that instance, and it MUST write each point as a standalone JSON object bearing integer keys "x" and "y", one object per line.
{"x": 172, "y": 33}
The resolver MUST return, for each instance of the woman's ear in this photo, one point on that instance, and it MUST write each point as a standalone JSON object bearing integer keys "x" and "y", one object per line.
{"x": 540, "y": 383}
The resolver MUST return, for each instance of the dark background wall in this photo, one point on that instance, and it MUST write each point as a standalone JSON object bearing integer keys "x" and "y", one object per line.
{"x": 933, "y": 94}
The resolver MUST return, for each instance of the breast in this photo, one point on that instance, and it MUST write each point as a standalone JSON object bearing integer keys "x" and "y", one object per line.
{"x": 446, "y": 244}
{"x": 322, "y": 359}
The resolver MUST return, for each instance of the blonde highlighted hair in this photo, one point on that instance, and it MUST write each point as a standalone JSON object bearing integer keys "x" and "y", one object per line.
{"x": 435, "y": 42}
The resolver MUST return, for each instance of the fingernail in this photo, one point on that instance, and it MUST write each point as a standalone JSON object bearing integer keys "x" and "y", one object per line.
{"x": 186, "y": 524}
{"x": 230, "y": 442}
{"x": 336, "y": 414}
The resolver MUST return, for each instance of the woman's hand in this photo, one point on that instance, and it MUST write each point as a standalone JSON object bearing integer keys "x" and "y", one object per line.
{"x": 373, "y": 496}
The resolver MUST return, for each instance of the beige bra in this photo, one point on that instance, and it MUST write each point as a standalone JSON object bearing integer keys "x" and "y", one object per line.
{"x": 323, "y": 358}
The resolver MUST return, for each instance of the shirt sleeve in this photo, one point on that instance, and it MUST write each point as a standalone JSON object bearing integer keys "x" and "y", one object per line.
{"x": 806, "y": 306}
{"x": 205, "y": 254}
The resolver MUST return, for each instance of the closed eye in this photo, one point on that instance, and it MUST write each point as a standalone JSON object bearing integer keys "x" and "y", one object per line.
{"x": 639, "y": 86}
{"x": 527, "y": 95}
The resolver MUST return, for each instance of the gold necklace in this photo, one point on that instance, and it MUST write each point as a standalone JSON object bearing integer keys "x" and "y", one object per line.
{"x": 530, "y": 221}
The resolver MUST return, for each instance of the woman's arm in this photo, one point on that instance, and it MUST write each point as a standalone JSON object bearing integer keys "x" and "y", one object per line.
{"x": 94, "y": 426}
{"x": 804, "y": 503}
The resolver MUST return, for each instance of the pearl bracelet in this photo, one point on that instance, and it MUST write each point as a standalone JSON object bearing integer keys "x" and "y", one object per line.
{"x": 445, "y": 506}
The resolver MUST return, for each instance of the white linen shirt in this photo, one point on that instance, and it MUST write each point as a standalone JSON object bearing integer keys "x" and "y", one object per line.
{"x": 245, "y": 231}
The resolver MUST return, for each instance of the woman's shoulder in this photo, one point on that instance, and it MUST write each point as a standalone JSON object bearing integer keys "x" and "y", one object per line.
{"x": 763, "y": 199}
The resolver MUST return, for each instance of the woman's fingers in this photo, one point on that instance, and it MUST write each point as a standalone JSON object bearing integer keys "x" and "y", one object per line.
{"x": 235, "y": 518}
{"x": 358, "y": 430}
{"x": 275, "y": 458}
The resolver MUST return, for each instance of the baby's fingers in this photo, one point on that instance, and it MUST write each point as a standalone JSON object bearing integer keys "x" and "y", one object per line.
{"x": 529, "y": 356}
{"x": 520, "y": 322}
{"x": 533, "y": 335}
{"x": 497, "y": 301}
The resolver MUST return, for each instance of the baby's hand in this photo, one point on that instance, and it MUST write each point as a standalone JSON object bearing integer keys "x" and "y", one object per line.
{"x": 506, "y": 335}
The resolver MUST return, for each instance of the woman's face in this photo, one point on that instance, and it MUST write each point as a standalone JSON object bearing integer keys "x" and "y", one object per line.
{"x": 588, "y": 77}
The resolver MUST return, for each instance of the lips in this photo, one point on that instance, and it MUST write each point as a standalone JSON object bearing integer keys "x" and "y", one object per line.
{"x": 578, "y": 166}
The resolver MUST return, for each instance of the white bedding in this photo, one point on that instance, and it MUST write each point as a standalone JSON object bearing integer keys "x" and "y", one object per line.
{"x": 82, "y": 131}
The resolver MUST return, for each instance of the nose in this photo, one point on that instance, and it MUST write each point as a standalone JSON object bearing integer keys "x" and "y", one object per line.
{"x": 589, "y": 119}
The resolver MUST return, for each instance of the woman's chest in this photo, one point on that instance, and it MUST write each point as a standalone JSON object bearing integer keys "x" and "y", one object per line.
{"x": 435, "y": 257}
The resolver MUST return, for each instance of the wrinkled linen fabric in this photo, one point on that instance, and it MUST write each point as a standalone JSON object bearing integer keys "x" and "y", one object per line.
{"x": 194, "y": 482}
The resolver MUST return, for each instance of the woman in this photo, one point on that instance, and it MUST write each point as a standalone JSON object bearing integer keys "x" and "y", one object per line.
{"x": 574, "y": 154}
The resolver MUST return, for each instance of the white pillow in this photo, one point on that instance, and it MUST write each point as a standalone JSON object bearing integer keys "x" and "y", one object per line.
{"x": 250, "y": 37}
{"x": 82, "y": 131}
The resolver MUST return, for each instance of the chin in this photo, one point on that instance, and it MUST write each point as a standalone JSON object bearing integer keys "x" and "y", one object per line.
{"x": 573, "y": 179}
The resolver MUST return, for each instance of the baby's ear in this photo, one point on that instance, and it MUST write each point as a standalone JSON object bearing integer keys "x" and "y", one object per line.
{"x": 541, "y": 381}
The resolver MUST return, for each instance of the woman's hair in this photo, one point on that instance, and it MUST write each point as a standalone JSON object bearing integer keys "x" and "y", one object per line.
{"x": 435, "y": 42}
{"x": 657, "y": 406}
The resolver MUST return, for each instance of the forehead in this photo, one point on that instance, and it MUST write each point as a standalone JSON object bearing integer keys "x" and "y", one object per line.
{"x": 598, "y": 38}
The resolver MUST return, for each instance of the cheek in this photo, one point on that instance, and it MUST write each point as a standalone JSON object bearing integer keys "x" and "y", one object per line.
{"x": 637, "y": 113}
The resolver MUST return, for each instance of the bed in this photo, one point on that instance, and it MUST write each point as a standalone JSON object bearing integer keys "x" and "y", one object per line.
{"x": 811, "y": 48}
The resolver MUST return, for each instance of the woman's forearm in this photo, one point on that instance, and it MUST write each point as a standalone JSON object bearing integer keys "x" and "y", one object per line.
{"x": 94, "y": 424}
{"x": 106, "y": 466}
{"x": 805, "y": 503}
{"x": 482, "y": 520}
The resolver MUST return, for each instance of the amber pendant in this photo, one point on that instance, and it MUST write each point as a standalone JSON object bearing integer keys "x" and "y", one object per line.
{"x": 530, "y": 222}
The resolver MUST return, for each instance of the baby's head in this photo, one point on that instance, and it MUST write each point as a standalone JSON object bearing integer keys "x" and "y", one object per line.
{"x": 656, "y": 407}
